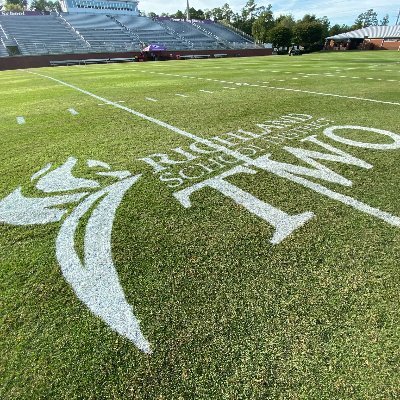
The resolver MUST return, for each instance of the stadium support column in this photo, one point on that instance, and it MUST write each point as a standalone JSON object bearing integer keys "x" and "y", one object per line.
{"x": 187, "y": 10}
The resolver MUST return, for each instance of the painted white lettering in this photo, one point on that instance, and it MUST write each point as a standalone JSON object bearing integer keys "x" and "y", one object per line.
{"x": 365, "y": 145}
{"x": 168, "y": 177}
{"x": 231, "y": 139}
{"x": 186, "y": 175}
{"x": 156, "y": 160}
{"x": 299, "y": 117}
{"x": 283, "y": 223}
{"x": 189, "y": 156}
{"x": 195, "y": 147}
{"x": 289, "y": 172}
{"x": 251, "y": 134}
{"x": 212, "y": 165}
{"x": 320, "y": 171}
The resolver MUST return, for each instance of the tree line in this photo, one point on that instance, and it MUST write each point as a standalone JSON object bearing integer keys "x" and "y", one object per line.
{"x": 281, "y": 31}
{"x": 36, "y": 5}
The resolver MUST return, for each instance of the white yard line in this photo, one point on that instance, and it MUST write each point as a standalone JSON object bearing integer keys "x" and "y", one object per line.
{"x": 181, "y": 95}
{"x": 205, "y": 91}
{"x": 151, "y": 99}
{"x": 304, "y": 91}
{"x": 156, "y": 121}
{"x": 72, "y": 111}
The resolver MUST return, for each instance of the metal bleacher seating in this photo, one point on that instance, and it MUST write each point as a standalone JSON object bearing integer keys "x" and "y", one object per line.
{"x": 41, "y": 35}
{"x": 102, "y": 33}
{"x": 149, "y": 31}
{"x": 3, "y": 51}
{"x": 220, "y": 32}
{"x": 92, "y": 33}
{"x": 197, "y": 39}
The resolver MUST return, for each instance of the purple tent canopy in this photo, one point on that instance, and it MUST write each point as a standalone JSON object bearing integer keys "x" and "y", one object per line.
{"x": 155, "y": 47}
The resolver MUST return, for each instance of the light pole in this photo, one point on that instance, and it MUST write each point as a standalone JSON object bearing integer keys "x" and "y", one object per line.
{"x": 187, "y": 10}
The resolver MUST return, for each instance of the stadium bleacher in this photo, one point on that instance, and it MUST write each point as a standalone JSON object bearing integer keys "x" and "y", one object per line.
{"x": 43, "y": 34}
{"x": 196, "y": 38}
{"x": 149, "y": 31}
{"x": 3, "y": 38}
{"x": 70, "y": 33}
{"x": 102, "y": 32}
{"x": 222, "y": 33}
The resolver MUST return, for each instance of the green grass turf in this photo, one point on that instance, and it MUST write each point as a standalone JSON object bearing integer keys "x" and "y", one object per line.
{"x": 228, "y": 315}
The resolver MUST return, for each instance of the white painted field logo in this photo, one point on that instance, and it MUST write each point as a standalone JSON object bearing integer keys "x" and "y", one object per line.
{"x": 184, "y": 170}
{"x": 94, "y": 280}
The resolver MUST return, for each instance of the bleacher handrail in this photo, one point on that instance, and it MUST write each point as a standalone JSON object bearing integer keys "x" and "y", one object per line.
{"x": 174, "y": 33}
{"x": 228, "y": 25}
{"x": 66, "y": 22}
{"x": 210, "y": 34}
{"x": 4, "y": 32}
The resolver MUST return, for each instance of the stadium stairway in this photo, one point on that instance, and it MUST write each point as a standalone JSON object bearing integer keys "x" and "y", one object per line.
{"x": 102, "y": 33}
{"x": 3, "y": 38}
{"x": 198, "y": 40}
{"x": 222, "y": 34}
{"x": 151, "y": 32}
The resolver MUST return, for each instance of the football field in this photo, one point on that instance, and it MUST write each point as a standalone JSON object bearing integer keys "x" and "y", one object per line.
{"x": 202, "y": 229}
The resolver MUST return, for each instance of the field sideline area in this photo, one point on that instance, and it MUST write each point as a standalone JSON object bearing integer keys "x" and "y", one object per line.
{"x": 202, "y": 229}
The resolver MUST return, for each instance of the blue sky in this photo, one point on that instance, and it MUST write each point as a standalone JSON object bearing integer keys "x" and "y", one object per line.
{"x": 338, "y": 11}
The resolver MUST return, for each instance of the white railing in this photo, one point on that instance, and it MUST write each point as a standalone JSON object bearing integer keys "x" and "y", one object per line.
{"x": 4, "y": 32}
{"x": 176, "y": 34}
{"x": 227, "y": 25}
{"x": 211, "y": 34}
{"x": 73, "y": 29}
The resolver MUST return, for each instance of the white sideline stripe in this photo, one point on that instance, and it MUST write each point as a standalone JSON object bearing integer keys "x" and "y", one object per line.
{"x": 21, "y": 120}
{"x": 309, "y": 92}
{"x": 72, "y": 111}
{"x": 181, "y": 95}
{"x": 150, "y": 99}
{"x": 156, "y": 121}
{"x": 144, "y": 116}
{"x": 205, "y": 91}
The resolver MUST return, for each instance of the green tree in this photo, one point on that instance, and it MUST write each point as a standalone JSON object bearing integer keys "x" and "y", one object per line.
{"x": 336, "y": 29}
{"x": 286, "y": 20}
{"x": 262, "y": 25}
{"x": 13, "y": 7}
{"x": 207, "y": 14}
{"x": 179, "y": 15}
{"x": 280, "y": 36}
{"x": 217, "y": 13}
{"x": 308, "y": 34}
{"x": 367, "y": 18}
{"x": 249, "y": 14}
{"x": 227, "y": 13}
{"x": 326, "y": 24}
{"x": 43, "y": 5}
{"x": 248, "y": 10}
{"x": 385, "y": 20}
{"x": 196, "y": 14}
